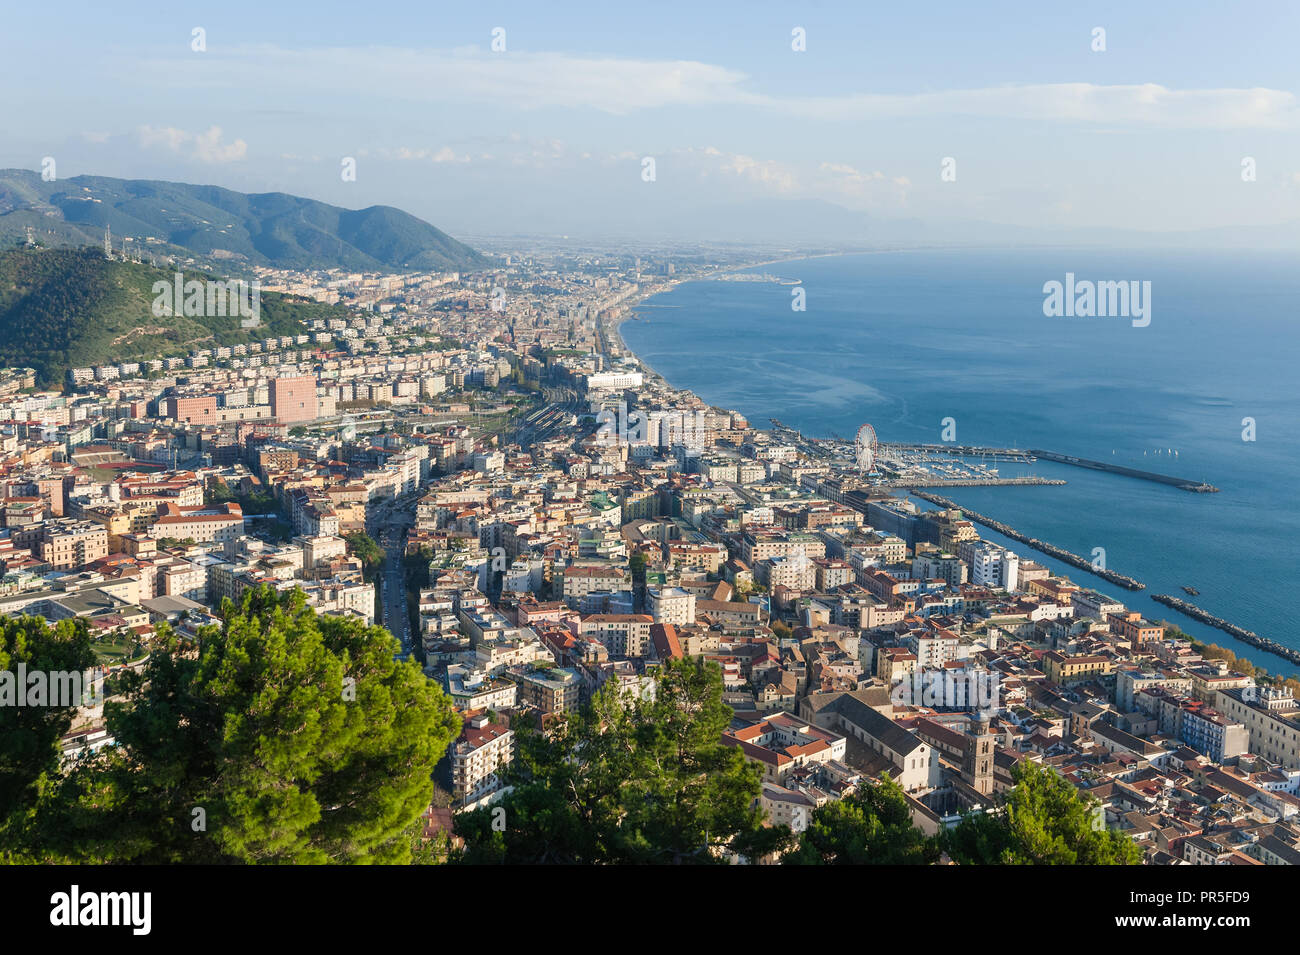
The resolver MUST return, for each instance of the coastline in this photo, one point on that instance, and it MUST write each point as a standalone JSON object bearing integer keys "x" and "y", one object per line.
{"x": 651, "y": 373}
{"x": 615, "y": 327}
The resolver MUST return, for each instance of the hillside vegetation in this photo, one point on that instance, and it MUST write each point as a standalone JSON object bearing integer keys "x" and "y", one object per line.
{"x": 220, "y": 225}
{"x": 68, "y": 308}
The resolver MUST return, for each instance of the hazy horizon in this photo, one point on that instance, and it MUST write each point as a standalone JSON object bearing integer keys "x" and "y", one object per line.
{"x": 888, "y": 126}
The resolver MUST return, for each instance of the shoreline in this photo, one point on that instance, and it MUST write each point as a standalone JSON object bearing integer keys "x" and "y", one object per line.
{"x": 616, "y": 326}
{"x": 650, "y": 373}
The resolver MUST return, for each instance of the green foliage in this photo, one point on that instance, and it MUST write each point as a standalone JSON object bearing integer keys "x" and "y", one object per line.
{"x": 260, "y": 501}
{"x": 636, "y": 565}
{"x": 273, "y": 531}
{"x": 627, "y": 781}
{"x": 1212, "y": 651}
{"x": 299, "y": 737}
{"x": 29, "y": 735}
{"x": 415, "y": 573}
{"x": 63, "y": 308}
{"x": 117, "y": 647}
{"x": 872, "y": 826}
{"x": 368, "y": 550}
{"x": 1046, "y": 821}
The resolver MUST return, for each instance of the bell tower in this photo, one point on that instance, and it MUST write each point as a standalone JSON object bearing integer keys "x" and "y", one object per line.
{"x": 977, "y": 760}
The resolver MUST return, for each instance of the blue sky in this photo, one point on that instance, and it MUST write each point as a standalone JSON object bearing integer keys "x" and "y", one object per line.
{"x": 549, "y": 136}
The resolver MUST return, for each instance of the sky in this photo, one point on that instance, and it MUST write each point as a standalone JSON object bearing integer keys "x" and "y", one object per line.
{"x": 550, "y": 134}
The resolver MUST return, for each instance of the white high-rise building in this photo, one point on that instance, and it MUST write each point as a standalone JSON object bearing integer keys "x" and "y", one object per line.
{"x": 994, "y": 566}
{"x": 671, "y": 605}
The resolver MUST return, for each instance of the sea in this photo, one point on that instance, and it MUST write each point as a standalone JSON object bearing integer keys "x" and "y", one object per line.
{"x": 939, "y": 344}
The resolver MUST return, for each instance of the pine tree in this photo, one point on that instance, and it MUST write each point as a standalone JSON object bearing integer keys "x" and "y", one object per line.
{"x": 872, "y": 826}
{"x": 29, "y": 735}
{"x": 1046, "y": 821}
{"x": 279, "y": 737}
{"x": 628, "y": 781}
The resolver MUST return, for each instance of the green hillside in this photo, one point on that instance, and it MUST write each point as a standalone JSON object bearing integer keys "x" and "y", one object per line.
{"x": 69, "y": 308}
{"x": 217, "y": 225}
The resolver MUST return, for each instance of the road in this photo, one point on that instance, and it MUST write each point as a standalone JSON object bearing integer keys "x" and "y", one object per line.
{"x": 388, "y": 526}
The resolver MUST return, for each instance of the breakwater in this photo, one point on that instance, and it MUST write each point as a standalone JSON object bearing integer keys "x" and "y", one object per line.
{"x": 1241, "y": 633}
{"x": 977, "y": 482}
{"x": 1186, "y": 484}
{"x": 1051, "y": 550}
{"x": 983, "y": 452}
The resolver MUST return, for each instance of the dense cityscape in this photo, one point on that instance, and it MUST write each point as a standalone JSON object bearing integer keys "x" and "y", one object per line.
{"x": 741, "y": 438}
{"x": 477, "y": 464}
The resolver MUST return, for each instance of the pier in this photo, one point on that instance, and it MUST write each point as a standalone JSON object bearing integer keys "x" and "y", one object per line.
{"x": 1029, "y": 481}
{"x": 1004, "y": 455}
{"x": 1241, "y": 633}
{"x": 1186, "y": 484}
{"x": 1051, "y": 550}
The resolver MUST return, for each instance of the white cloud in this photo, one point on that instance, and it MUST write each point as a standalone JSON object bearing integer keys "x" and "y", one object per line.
{"x": 849, "y": 175}
{"x": 168, "y": 136}
{"x": 208, "y": 147}
{"x": 205, "y": 147}
{"x": 840, "y": 182}
{"x": 764, "y": 172}
{"x": 622, "y": 85}
{"x": 443, "y": 154}
{"x": 1147, "y": 104}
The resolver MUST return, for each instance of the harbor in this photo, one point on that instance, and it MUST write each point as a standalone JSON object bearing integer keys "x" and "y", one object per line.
{"x": 967, "y": 465}
{"x": 923, "y": 465}
{"x": 928, "y": 465}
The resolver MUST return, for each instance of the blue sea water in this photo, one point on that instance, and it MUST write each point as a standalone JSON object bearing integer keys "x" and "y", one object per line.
{"x": 904, "y": 340}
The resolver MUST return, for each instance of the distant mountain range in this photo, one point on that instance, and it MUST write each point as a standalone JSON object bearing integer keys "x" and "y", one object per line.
{"x": 808, "y": 225}
{"x": 223, "y": 228}
{"x": 71, "y": 308}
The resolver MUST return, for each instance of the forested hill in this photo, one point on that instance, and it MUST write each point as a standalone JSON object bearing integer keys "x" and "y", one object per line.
{"x": 68, "y": 308}
{"x": 214, "y": 224}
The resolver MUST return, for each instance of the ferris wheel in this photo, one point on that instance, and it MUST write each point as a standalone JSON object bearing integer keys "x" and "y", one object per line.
{"x": 866, "y": 443}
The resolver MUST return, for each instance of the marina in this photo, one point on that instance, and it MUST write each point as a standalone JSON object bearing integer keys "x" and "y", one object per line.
{"x": 961, "y": 465}
{"x": 923, "y": 465}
